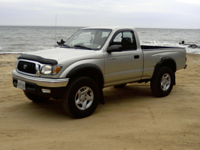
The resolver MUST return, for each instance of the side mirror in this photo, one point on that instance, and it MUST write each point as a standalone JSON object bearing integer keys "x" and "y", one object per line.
{"x": 114, "y": 48}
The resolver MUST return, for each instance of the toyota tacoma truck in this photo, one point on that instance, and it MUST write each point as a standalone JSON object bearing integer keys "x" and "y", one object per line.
{"x": 91, "y": 59}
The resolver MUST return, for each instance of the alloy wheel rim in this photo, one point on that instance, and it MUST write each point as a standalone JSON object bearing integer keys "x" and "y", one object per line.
{"x": 84, "y": 98}
{"x": 165, "y": 82}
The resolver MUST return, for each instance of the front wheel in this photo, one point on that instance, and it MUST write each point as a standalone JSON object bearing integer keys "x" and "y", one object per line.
{"x": 162, "y": 82}
{"x": 81, "y": 97}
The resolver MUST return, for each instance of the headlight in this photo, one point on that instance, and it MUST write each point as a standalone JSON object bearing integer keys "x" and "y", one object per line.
{"x": 48, "y": 69}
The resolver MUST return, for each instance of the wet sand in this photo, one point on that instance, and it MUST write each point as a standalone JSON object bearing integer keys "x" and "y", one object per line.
{"x": 132, "y": 118}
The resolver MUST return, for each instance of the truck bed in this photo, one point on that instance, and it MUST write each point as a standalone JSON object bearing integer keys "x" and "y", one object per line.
{"x": 146, "y": 47}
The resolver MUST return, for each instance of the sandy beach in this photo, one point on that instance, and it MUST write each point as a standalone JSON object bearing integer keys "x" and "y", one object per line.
{"x": 131, "y": 119}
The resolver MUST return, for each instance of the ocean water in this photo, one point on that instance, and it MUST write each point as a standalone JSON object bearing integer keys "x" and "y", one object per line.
{"x": 17, "y": 39}
{"x": 171, "y": 37}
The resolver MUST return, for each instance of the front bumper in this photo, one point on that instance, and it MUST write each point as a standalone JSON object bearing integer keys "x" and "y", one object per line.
{"x": 44, "y": 82}
{"x": 37, "y": 85}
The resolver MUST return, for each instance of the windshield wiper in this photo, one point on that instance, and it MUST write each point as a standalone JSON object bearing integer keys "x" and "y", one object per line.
{"x": 81, "y": 46}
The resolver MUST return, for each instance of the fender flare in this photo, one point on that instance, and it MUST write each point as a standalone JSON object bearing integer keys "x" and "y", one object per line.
{"x": 83, "y": 67}
{"x": 92, "y": 71}
{"x": 168, "y": 62}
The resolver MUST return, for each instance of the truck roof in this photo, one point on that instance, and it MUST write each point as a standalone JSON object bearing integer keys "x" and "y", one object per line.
{"x": 110, "y": 27}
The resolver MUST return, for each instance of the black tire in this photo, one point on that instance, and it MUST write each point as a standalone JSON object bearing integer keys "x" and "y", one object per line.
{"x": 162, "y": 82}
{"x": 120, "y": 86}
{"x": 36, "y": 98}
{"x": 81, "y": 97}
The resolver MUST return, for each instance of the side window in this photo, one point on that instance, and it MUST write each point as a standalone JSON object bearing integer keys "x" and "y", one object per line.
{"x": 118, "y": 38}
{"x": 128, "y": 34}
{"x": 126, "y": 39}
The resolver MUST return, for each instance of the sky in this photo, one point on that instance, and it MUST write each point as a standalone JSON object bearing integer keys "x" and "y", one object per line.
{"x": 134, "y": 13}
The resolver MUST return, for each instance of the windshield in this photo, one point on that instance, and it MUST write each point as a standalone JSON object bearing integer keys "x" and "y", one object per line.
{"x": 88, "y": 39}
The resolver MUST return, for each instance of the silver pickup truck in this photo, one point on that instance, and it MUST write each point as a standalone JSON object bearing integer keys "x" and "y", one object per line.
{"x": 92, "y": 59}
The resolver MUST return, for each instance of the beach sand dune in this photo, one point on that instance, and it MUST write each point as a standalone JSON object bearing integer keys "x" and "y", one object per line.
{"x": 132, "y": 118}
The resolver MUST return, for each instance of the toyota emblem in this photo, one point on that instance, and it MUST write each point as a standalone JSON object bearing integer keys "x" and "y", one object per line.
{"x": 25, "y": 66}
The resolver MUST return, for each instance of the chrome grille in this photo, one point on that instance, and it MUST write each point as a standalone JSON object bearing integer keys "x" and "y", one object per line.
{"x": 27, "y": 67}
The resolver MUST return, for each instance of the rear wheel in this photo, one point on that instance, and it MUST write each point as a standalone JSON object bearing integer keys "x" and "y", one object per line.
{"x": 162, "y": 82}
{"x": 36, "y": 98}
{"x": 81, "y": 97}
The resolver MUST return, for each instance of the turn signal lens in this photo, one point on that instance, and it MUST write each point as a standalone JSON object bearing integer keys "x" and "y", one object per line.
{"x": 56, "y": 69}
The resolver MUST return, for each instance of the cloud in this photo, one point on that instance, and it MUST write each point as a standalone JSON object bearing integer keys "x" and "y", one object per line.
{"x": 189, "y": 1}
{"x": 140, "y": 13}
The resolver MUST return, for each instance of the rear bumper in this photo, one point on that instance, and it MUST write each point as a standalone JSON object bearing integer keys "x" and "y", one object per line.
{"x": 44, "y": 82}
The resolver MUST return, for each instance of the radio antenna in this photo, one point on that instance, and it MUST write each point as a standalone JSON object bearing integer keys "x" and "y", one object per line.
{"x": 55, "y": 27}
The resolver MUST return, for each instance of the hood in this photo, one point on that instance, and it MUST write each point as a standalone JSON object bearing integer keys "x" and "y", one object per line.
{"x": 61, "y": 53}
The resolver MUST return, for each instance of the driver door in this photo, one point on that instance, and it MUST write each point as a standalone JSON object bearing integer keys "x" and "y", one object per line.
{"x": 125, "y": 65}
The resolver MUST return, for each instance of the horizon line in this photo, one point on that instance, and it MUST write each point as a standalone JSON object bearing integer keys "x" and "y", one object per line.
{"x": 91, "y": 26}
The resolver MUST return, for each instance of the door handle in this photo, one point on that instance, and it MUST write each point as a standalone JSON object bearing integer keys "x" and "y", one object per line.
{"x": 136, "y": 56}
